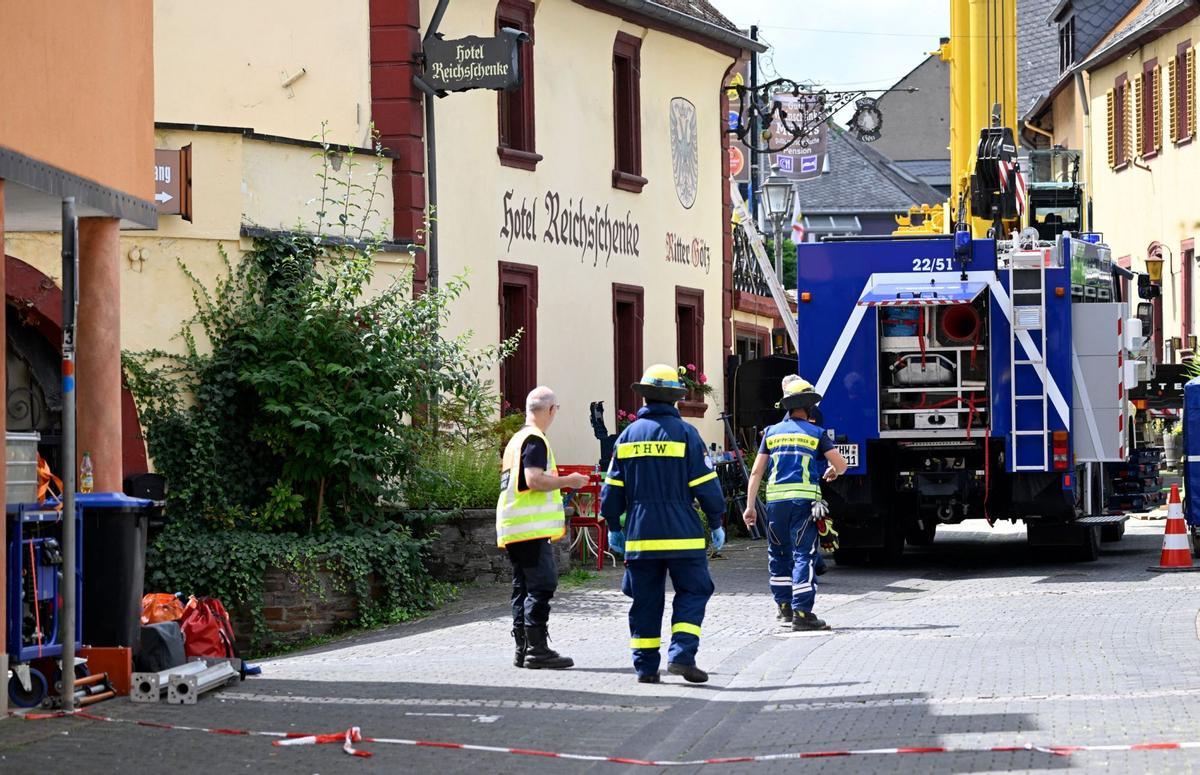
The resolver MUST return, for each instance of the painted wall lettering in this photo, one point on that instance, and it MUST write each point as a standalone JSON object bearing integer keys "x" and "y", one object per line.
{"x": 571, "y": 223}
{"x": 695, "y": 253}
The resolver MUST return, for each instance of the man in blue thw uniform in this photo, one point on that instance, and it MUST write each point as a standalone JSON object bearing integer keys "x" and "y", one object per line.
{"x": 658, "y": 469}
{"x": 800, "y": 455}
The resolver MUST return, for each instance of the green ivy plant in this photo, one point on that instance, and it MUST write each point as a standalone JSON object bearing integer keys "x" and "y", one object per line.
{"x": 382, "y": 567}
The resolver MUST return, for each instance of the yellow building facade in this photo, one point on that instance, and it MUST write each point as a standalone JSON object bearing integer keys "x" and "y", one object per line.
{"x": 1146, "y": 159}
{"x": 601, "y": 270}
{"x": 252, "y": 140}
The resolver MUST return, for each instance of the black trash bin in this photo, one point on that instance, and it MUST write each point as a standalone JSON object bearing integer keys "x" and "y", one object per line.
{"x": 114, "y": 565}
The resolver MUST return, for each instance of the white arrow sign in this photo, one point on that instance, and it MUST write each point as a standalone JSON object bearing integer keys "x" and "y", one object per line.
{"x": 163, "y": 196}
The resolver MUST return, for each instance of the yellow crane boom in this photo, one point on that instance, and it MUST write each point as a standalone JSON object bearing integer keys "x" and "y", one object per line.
{"x": 982, "y": 54}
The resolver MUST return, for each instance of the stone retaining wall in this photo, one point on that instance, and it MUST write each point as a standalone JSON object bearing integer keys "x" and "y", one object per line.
{"x": 298, "y": 609}
{"x": 464, "y": 550}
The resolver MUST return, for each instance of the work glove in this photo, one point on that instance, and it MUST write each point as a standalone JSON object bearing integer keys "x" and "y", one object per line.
{"x": 827, "y": 537}
{"x": 616, "y": 541}
{"x": 718, "y": 539}
{"x": 820, "y": 509}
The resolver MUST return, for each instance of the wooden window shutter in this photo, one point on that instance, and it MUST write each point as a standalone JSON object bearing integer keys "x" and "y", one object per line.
{"x": 1156, "y": 108}
{"x": 1173, "y": 88}
{"x": 1112, "y": 128}
{"x": 1131, "y": 111}
{"x": 1189, "y": 93}
{"x": 1139, "y": 115}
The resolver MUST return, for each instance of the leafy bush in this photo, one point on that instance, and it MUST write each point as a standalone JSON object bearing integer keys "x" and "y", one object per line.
{"x": 313, "y": 405}
{"x": 458, "y": 477}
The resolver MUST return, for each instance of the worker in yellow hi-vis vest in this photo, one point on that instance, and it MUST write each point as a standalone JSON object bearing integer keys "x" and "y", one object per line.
{"x": 529, "y": 515}
{"x": 659, "y": 468}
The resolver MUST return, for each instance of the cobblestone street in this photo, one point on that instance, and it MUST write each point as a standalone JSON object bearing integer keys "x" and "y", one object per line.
{"x": 966, "y": 644}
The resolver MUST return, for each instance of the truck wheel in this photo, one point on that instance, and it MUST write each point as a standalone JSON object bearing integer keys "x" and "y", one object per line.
{"x": 1089, "y": 543}
{"x": 921, "y": 533}
{"x": 850, "y": 557}
{"x": 892, "y": 549}
{"x": 1113, "y": 532}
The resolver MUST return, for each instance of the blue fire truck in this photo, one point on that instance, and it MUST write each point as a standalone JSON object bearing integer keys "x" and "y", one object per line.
{"x": 968, "y": 379}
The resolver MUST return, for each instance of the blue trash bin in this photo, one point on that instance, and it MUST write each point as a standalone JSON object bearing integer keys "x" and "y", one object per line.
{"x": 1191, "y": 452}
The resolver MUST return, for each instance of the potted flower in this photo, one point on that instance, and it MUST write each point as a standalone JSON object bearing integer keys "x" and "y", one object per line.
{"x": 624, "y": 418}
{"x": 696, "y": 382}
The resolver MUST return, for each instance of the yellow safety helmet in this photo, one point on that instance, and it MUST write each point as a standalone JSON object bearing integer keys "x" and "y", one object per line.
{"x": 799, "y": 394}
{"x": 660, "y": 383}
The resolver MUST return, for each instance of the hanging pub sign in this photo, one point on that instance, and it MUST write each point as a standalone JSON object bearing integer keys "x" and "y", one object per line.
{"x": 474, "y": 62}
{"x": 803, "y": 157}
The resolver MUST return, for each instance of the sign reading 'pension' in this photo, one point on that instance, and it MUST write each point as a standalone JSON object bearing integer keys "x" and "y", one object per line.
{"x": 474, "y": 62}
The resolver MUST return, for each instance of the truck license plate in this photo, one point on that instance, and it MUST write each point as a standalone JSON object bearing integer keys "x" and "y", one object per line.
{"x": 850, "y": 452}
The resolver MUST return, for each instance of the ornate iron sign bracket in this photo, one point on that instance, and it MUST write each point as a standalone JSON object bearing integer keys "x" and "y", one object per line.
{"x": 761, "y": 107}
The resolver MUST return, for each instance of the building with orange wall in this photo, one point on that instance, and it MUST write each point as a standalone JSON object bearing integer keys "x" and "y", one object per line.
{"x": 76, "y": 120}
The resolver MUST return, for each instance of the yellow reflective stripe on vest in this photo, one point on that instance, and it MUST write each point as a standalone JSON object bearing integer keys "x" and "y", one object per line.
{"x": 553, "y": 533}
{"x": 664, "y": 545}
{"x": 545, "y": 515}
{"x": 701, "y": 480}
{"x": 645, "y": 643}
{"x": 792, "y": 440}
{"x": 651, "y": 449}
{"x": 691, "y": 629}
{"x": 614, "y": 482}
{"x": 786, "y": 492}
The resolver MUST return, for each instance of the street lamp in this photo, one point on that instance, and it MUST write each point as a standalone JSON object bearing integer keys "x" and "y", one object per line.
{"x": 776, "y": 191}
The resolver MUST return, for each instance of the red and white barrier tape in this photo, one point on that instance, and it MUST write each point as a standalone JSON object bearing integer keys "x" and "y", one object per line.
{"x": 354, "y": 735}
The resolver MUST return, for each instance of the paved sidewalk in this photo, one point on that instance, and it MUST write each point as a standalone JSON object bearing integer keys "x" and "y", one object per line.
{"x": 968, "y": 643}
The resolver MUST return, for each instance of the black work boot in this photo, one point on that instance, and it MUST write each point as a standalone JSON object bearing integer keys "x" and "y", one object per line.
{"x": 690, "y": 673}
{"x": 539, "y": 656}
{"x": 802, "y": 622}
{"x": 649, "y": 679}
{"x": 518, "y": 634}
{"x": 785, "y": 613}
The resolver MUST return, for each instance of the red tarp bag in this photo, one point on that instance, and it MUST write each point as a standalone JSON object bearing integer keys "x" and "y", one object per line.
{"x": 207, "y": 631}
{"x": 160, "y": 607}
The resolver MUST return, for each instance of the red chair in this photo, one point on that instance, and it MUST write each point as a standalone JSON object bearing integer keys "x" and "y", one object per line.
{"x": 586, "y": 502}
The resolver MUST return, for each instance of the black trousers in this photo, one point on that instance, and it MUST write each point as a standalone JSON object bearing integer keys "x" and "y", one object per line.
{"x": 534, "y": 579}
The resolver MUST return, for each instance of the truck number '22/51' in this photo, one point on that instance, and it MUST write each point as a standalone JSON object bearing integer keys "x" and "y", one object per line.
{"x": 933, "y": 265}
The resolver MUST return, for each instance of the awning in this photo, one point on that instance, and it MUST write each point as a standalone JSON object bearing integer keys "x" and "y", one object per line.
{"x": 920, "y": 294}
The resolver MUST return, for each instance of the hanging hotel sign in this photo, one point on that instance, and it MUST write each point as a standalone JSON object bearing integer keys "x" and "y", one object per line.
{"x": 474, "y": 62}
{"x": 570, "y": 223}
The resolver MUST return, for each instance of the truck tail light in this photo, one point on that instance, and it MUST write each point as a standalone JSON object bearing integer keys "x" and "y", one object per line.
{"x": 1059, "y": 451}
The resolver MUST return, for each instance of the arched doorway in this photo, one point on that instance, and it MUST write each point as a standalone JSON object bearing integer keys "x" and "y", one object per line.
{"x": 33, "y": 358}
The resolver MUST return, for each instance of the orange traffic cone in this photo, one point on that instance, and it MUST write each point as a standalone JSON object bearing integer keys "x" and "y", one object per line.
{"x": 1176, "y": 552}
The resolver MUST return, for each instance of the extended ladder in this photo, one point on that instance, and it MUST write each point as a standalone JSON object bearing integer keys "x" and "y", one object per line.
{"x": 764, "y": 263}
{"x": 1027, "y": 358}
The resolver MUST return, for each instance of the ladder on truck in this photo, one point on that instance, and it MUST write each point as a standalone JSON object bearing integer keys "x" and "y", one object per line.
{"x": 1027, "y": 361}
{"x": 742, "y": 213}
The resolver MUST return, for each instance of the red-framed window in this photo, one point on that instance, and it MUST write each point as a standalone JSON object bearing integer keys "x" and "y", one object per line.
{"x": 518, "y": 294}
{"x": 751, "y": 342}
{"x": 517, "y": 142}
{"x": 629, "y": 313}
{"x": 627, "y": 113}
{"x": 1181, "y": 78}
{"x": 1150, "y": 109}
{"x": 689, "y": 326}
